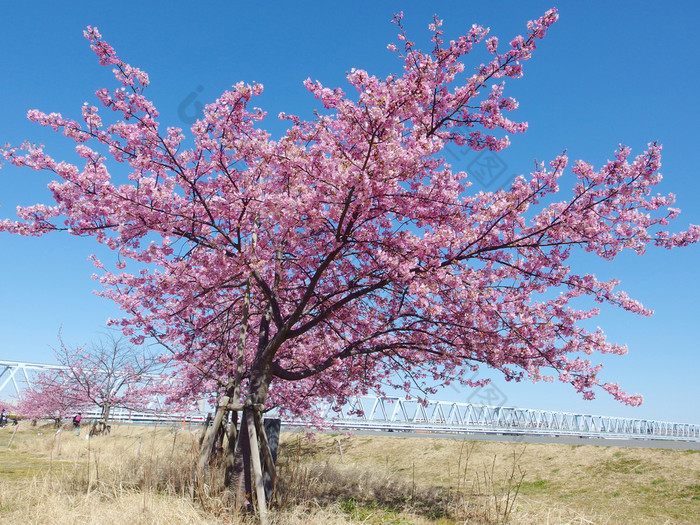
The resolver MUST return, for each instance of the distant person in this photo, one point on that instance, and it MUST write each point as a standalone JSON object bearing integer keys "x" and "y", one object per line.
{"x": 3, "y": 418}
{"x": 76, "y": 423}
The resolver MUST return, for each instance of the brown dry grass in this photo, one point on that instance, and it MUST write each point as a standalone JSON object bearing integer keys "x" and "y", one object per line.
{"x": 562, "y": 483}
{"x": 142, "y": 475}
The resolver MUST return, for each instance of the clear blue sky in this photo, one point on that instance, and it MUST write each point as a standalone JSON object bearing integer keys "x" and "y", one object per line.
{"x": 608, "y": 73}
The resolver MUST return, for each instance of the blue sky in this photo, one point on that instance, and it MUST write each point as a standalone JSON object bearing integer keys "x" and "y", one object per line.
{"x": 607, "y": 73}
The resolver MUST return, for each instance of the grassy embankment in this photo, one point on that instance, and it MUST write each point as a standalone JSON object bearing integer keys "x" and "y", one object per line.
{"x": 142, "y": 475}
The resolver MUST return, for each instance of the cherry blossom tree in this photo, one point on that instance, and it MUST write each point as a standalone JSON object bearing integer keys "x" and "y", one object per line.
{"x": 51, "y": 397}
{"x": 109, "y": 373}
{"x": 348, "y": 255}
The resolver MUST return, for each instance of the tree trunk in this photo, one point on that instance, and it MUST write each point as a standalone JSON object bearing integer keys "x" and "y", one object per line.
{"x": 249, "y": 464}
{"x": 256, "y": 459}
{"x": 251, "y": 478}
{"x": 242, "y": 479}
{"x": 245, "y": 449}
{"x": 105, "y": 412}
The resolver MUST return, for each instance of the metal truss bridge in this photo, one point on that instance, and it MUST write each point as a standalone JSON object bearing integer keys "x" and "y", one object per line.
{"x": 399, "y": 414}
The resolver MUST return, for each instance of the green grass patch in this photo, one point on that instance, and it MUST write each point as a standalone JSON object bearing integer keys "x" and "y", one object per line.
{"x": 691, "y": 491}
{"x": 623, "y": 466}
{"x": 20, "y": 466}
{"x": 535, "y": 486}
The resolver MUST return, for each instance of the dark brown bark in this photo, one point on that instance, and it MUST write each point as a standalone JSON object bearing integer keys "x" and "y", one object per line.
{"x": 105, "y": 411}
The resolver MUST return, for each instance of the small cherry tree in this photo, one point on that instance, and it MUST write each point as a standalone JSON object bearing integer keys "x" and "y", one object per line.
{"x": 347, "y": 254}
{"x": 109, "y": 373}
{"x": 51, "y": 396}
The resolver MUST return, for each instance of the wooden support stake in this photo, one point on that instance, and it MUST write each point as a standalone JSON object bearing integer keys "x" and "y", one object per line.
{"x": 211, "y": 433}
{"x": 205, "y": 428}
{"x": 231, "y": 445}
{"x": 257, "y": 470}
{"x": 13, "y": 436}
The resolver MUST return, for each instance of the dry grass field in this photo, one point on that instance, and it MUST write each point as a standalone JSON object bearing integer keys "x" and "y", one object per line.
{"x": 142, "y": 475}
